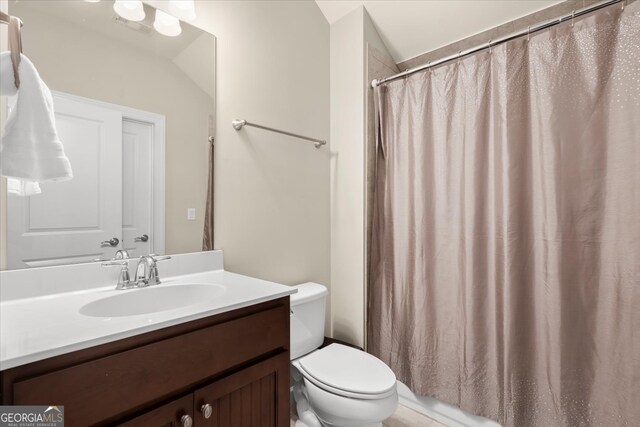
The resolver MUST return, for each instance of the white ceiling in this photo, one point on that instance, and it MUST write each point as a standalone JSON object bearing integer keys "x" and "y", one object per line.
{"x": 410, "y": 28}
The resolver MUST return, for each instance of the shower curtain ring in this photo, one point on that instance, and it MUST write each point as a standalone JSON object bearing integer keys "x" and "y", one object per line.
{"x": 573, "y": 15}
{"x": 489, "y": 46}
{"x": 529, "y": 33}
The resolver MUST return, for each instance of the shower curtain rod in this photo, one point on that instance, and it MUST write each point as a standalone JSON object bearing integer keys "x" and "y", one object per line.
{"x": 491, "y": 43}
{"x": 239, "y": 124}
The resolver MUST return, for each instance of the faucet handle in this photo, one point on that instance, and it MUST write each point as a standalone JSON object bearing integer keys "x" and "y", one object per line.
{"x": 154, "y": 277}
{"x": 114, "y": 261}
{"x": 157, "y": 257}
{"x": 124, "y": 279}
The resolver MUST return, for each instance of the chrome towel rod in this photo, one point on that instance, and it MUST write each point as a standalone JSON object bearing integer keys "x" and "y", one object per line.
{"x": 5, "y": 19}
{"x": 239, "y": 124}
{"x": 491, "y": 43}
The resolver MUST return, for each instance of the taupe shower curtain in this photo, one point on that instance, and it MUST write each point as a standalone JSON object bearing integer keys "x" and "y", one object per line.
{"x": 505, "y": 264}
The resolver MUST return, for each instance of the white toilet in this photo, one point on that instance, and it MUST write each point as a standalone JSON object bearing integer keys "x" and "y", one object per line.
{"x": 336, "y": 385}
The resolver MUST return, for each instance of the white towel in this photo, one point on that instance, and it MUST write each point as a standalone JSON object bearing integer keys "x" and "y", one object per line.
{"x": 30, "y": 150}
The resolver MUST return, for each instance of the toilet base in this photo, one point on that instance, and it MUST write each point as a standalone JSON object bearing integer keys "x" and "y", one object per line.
{"x": 309, "y": 417}
{"x": 306, "y": 417}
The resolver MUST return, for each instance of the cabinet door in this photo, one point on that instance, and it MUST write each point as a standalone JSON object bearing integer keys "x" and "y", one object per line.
{"x": 257, "y": 396}
{"x": 172, "y": 414}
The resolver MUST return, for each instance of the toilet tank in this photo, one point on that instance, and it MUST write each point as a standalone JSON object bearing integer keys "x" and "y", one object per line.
{"x": 307, "y": 318}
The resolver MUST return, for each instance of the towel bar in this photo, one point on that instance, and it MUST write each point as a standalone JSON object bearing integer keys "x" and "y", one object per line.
{"x": 15, "y": 43}
{"x": 239, "y": 124}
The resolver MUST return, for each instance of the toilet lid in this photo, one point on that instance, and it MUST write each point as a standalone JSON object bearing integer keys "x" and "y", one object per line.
{"x": 348, "y": 369}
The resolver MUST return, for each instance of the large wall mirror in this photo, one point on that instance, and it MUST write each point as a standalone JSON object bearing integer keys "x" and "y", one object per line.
{"x": 135, "y": 110}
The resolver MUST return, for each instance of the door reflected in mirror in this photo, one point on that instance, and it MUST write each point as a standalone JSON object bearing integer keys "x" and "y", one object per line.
{"x": 135, "y": 110}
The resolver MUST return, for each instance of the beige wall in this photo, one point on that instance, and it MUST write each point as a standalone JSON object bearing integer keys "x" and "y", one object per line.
{"x": 347, "y": 171}
{"x": 271, "y": 191}
{"x": 350, "y": 37}
{"x": 73, "y": 60}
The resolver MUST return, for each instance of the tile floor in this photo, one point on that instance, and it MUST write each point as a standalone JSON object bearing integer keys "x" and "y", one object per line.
{"x": 403, "y": 417}
{"x": 406, "y": 417}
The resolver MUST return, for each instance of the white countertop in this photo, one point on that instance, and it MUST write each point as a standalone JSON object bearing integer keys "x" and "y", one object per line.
{"x": 40, "y": 327}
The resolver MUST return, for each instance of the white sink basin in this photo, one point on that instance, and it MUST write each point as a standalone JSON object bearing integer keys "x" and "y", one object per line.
{"x": 154, "y": 299}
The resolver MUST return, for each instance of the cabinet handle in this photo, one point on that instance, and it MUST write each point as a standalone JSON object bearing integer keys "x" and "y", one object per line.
{"x": 207, "y": 411}
{"x": 186, "y": 421}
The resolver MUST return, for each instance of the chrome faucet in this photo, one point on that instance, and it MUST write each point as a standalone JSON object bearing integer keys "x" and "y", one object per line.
{"x": 124, "y": 281}
{"x": 147, "y": 270}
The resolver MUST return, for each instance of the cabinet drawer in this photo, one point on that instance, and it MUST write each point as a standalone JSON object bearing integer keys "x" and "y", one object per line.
{"x": 110, "y": 387}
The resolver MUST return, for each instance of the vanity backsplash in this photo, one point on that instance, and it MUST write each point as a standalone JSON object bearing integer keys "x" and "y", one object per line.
{"x": 42, "y": 281}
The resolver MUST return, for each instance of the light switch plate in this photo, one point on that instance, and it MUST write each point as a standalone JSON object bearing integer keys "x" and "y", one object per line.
{"x": 191, "y": 214}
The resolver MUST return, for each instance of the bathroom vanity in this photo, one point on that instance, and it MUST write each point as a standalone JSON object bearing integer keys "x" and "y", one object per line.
{"x": 221, "y": 361}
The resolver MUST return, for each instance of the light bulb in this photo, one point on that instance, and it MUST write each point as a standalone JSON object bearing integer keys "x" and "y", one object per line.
{"x": 166, "y": 24}
{"x": 131, "y": 10}
{"x": 183, "y": 9}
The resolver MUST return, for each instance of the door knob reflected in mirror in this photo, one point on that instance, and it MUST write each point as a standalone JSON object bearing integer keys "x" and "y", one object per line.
{"x": 142, "y": 238}
{"x": 113, "y": 242}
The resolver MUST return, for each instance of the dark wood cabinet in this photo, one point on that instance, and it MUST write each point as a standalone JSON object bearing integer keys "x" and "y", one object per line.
{"x": 249, "y": 398}
{"x": 237, "y": 362}
{"x": 171, "y": 414}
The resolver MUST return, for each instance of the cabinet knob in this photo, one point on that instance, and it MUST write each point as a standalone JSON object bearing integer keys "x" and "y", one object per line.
{"x": 207, "y": 411}
{"x": 186, "y": 421}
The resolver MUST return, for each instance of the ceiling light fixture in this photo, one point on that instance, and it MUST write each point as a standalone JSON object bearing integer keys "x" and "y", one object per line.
{"x": 166, "y": 24}
{"x": 131, "y": 10}
{"x": 183, "y": 9}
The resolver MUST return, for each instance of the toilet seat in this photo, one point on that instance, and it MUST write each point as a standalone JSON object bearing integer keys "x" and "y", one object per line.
{"x": 348, "y": 372}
